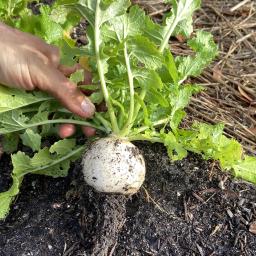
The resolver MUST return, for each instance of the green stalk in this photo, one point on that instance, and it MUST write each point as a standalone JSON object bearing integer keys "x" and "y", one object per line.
{"x": 101, "y": 70}
{"x": 56, "y": 121}
{"x": 138, "y": 106}
{"x": 168, "y": 35}
{"x": 104, "y": 122}
{"x": 154, "y": 124}
{"x": 142, "y": 138}
{"x": 129, "y": 122}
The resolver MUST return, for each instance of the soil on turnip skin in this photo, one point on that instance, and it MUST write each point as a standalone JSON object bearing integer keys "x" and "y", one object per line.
{"x": 187, "y": 207}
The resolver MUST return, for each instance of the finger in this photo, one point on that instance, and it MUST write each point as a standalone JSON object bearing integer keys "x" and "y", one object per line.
{"x": 88, "y": 131}
{"x": 53, "y": 53}
{"x": 50, "y": 51}
{"x": 54, "y": 82}
{"x": 66, "y": 130}
{"x": 87, "y": 77}
{"x": 87, "y": 81}
{"x": 67, "y": 71}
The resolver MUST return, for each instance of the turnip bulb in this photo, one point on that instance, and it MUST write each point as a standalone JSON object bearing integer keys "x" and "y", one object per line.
{"x": 114, "y": 165}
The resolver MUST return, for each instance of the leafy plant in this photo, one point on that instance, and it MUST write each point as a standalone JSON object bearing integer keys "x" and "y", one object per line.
{"x": 142, "y": 83}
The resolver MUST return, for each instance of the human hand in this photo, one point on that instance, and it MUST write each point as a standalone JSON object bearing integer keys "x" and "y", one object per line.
{"x": 27, "y": 62}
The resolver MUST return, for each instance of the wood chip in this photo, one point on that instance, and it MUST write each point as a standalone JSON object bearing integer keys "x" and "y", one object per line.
{"x": 217, "y": 74}
{"x": 252, "y": 228}
{"x": 230, "y": 214}
{"x": 253, "y": 130}
{"x": 244, "y": 94}
{"x": 200, "y": 249}
{"x": 181, "y": 38}
{"x": 239, "y": 5}
{"x": 216, "y": 229}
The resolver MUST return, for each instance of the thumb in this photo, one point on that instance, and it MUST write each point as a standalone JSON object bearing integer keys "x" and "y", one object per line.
{"x": 51, "y": 80}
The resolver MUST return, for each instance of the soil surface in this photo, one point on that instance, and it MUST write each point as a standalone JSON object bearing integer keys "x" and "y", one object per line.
{"x": 187, "y": 207}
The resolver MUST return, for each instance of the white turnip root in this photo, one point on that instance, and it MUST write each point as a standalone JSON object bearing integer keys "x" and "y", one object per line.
{"x": 114, "y": 165}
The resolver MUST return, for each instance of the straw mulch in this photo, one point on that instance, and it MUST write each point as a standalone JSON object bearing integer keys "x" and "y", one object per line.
{"x": 230, "y": 82}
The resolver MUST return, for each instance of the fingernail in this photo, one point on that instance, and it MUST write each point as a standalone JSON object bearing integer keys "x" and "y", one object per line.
{"x": 88, "y": 107}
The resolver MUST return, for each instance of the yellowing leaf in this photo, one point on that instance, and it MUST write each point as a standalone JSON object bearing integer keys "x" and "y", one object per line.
{"x": 84, "y": 62}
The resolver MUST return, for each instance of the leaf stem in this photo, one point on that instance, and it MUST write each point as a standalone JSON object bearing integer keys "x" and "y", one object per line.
{"x": 154, "y": 124}
{"x": 55, "y": 121}
{"x": 101, "y": 70}
{"x": 104, "y": 122}
{"x": 142, "y": 138}
{"x": 138, "y": 105}
{"x": 129, "y": 122}
{"x": 168, "y": 34}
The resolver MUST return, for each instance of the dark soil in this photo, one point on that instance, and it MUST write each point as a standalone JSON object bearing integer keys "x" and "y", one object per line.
{"x": 185, "y": 208}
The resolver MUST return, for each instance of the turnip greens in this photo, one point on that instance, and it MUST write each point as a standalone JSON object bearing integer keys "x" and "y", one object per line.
{"x": 143, "y": 85}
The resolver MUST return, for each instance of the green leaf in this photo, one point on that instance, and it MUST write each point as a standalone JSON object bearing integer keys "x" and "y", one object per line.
{"x": 182, "y": 11}
{"x": 41, "y": 116}
{"x": 12, "y": 121}
{"x": 110, "y": 9}
{"x": 175, "y": 149}
{"x": 69, "y": 54}
{"x": 42, "y": 158}
{"x": 46, "y": 25}
{"x": 145, "y": 110}
{"x": 179, "y": 99}
{"x": 179, "y": 19}
{"x": 21, "y": 164}
{"x": 85, "y": 8}
{"x": 156, "y": 97}
{"x": 171, "y": 66}
{"x": 10, "y": 142}
{"x": 133, "y": 23}
{"x": 205, "y": 51}
{"x": 184, "y": 8}
{"x": 59, "y": 14}
{"x": 31, "y": 139}
{"x": 77, "y": 76}
{"x": 49, "y": 30}
{"x": 63, "y": 147}
{"x": 96, "y": 97}
{"x": 246, "y": 169}
{"x": 107, "y": 10}
{"x": 13, "y": 98}
{"x": 7, "y": 197}
{"x": 209, "y": 141}
{"x": 148, "y": 78}
{"x": 176, "y": 118}
{"x": 145, "y": 52}
{"x": 184, "y": 28}
{"x": 9, "y": 10}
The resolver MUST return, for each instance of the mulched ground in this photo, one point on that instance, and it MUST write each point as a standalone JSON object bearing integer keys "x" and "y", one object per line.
{"x": 191, "y": 208}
